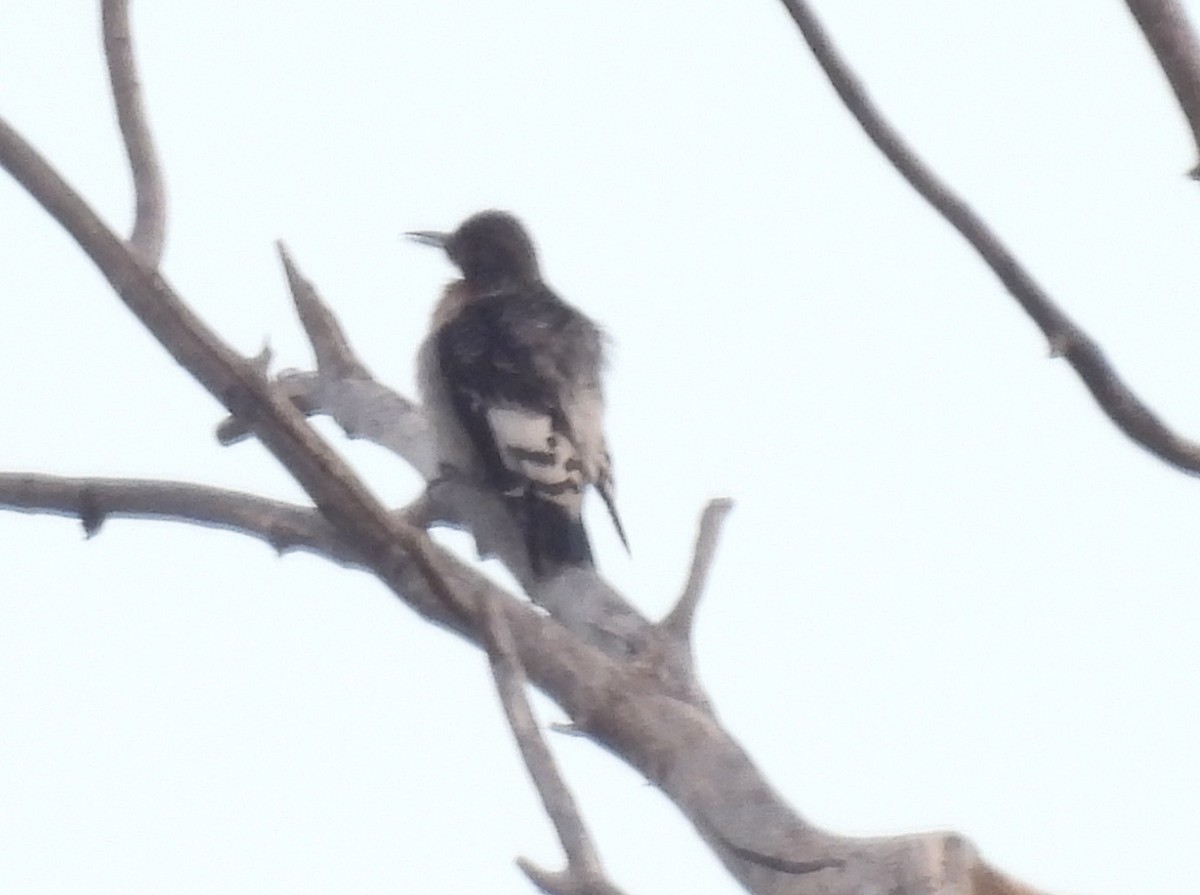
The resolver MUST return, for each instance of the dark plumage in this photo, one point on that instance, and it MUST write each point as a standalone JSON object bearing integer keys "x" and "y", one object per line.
{"x": 510, "y": 375}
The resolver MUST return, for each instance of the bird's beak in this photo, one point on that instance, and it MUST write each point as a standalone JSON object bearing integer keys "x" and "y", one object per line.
{"x": 429, "y": 237}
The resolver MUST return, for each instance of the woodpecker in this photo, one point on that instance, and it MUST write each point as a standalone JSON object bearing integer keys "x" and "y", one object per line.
{"x": 510, "y": 378}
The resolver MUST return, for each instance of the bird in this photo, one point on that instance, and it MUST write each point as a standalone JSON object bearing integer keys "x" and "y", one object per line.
{"x": 510, "y": 376}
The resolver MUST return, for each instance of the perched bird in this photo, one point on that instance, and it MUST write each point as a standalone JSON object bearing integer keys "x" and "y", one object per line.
{"x": 510, "y": 377}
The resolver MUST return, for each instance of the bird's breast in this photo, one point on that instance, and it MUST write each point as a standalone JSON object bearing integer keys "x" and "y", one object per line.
{"x": 455, "y": 297}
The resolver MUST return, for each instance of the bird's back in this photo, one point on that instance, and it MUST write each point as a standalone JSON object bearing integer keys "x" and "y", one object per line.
{"x": 526, "y": 345}
{"x": 523, "y": 374}
{"x": 511, "y": 378}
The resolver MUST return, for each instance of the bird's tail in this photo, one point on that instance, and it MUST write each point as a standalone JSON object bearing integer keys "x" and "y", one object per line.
{"x": 554, "y": 535}
{"x": 604, "y": 486}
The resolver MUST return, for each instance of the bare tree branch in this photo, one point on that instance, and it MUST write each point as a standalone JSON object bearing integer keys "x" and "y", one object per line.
{"x": 328, "y": 339}
{"x": 343, "y": 388}
{"x": 678, "y": 622}
{"x": 387, "y": 544}
{"x": 1066, "y": 339}
{"x": 583, "y": 875}
{"x": 296, "y": 387}
{"x": 677, "y": 746}
{"x": 149, "y": 228}
{"x": 653, "y": 716}
{"x": 364, "y": 407}
{"x": 784, "y": 855}
{"x": 284, "y": 526}
{"x": 1173, "y": 41}
{"x": 565, "y": 882}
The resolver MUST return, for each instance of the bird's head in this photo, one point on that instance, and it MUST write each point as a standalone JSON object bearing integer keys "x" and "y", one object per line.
{"x": 491, "y": 249}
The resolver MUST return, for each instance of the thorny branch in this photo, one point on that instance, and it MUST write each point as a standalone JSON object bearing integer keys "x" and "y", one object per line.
{"x": 1118, "y": 402}
{"x": 390, "y": 547}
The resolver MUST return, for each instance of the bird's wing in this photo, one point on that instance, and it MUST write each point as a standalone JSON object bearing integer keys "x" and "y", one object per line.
{"x": 506, "y": 377}
{"x": 508, "y": 397}
{"x": 569, "y": 348}
{"x": 583, "y": 408}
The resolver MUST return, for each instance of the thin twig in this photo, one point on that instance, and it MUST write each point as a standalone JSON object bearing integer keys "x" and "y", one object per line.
{"x": 583, "y": 875}
{"x": 678, "y": 622}
{"x": 1173, "y": 41}
{"x": 149, "y": 227}
{"x": 1066, "y": 339}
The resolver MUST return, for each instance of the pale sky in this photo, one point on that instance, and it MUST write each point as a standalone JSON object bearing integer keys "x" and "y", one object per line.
{"x": 952, "y": 595}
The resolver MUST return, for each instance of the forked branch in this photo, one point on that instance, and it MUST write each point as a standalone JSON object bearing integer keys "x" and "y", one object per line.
{"x": 387, "y": 543}
{"x": 342, "y": 382}
{"x": 583, "y": 875}
{"x": 618, "y": 699}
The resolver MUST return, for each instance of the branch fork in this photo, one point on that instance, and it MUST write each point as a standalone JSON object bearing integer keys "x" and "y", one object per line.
{"x": 628, "y": 684}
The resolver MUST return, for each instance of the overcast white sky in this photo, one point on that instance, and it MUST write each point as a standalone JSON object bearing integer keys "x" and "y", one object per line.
{"x": 952, "y": 595}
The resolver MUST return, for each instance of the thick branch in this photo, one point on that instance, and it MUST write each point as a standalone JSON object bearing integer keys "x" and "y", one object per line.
{"x": 386, "y": 543}
{"x": 663, "y": 731}
{"x": 342, "y": 387}
{"x": 703, "y": 770}
{"x": 149, "y": 228}
{"x": 1066, "y": 339}
{"x": 1173, "y": 41}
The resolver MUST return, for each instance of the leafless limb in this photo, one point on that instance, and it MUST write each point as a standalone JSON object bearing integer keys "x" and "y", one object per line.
{"x": 629, "y": 700}
{"x": 342, "y": 384}
{"x": 1173, "y": 41}
{"x": 149, "y": 227}
{"x": 584, "y": 875}
{"x": 565, "y": 882}
{"x": 386, "y": 543}
{"x": 647, "y": 710}
{"x": 287, "y": 527}
{"x": 328, "y": 339}
{"x": 343, "y": 388}
{"x": 678, "y": 622}
{"x": 1066, "y": 339}
{"x": 284, "y": 526}
{"x": 296, "y": 387}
